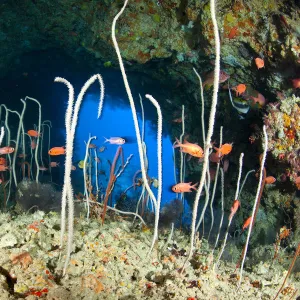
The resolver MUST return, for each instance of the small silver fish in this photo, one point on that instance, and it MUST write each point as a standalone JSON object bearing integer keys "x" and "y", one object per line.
{"x": 41, "y": 168}
{"x": 101, "y": 149}
{"x": 115, "y": 140}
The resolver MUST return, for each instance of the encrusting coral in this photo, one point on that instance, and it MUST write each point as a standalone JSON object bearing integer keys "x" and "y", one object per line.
{"x": 110, "y": 263}
{"x": 283, "y": 128}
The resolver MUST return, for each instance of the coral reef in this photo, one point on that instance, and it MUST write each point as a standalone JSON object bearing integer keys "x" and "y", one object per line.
{"x": 171, "y": 37}
{"x": 283, "y": 127}
{"x": 110, "y": 262}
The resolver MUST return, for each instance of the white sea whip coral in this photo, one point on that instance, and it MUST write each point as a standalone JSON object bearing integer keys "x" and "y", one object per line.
{"x": 259, "y": 187}
{"x": 21, "y": 126}
{"x": 2, "y": 135}
{"x": 210, "y": 129}
{"x": 71, "y": 123}
{"x": 38, "y": 138}
{"x": 137, "y": 130}
{"x": 87, "y": 194}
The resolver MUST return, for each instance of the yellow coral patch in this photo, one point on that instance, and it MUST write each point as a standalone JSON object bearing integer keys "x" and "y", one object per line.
{"x": 230, "y": 18}
{"x": 286, "y": 120}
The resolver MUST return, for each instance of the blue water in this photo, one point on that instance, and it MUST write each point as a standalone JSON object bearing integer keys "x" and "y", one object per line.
{"x": 116, "y": 121}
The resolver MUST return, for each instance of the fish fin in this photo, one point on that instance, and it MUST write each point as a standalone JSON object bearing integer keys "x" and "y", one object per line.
{"x": 178, "y": 142}
{"x": 194, "y": 186}
{"x": 106, "y": 140}
{"x": 206, "y": 85}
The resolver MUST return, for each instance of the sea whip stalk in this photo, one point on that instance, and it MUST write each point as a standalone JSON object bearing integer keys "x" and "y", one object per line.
{"x": 210, "y": 130}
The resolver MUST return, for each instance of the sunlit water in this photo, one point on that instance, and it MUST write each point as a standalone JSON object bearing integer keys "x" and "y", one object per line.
{"x": 116, "y": 121}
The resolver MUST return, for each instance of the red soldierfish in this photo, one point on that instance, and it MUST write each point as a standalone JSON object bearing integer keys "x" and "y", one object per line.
{"x": 240, "y": 89}
{"x": 33, "y": 133}
{"x": 296, "y": 83}
{"x": 259, "y": 62}
{"x": 246, "y": 223}
{"x": 33, "y": 144}
{"x": 215, "y": 157}
{"x": 92, "y": 146}
{"x": 260, "y": 99}
{"x": 210, "y": 78}
{"x": 225, "y": 165}
{"x": 224, "y": 149}
{"x": 184, "y": 187}
{"x": 115, "y": 140}
{"x": 236, "y": 204}
{"x": 3, "y": 168}
{"x": 270, "y": 180}
{"x": 178, "y": 120}
{"x": 7, "y": 150}
{"x": 192, "y": 149}
{"x": 54, "y": 164}
{"x": 57, "y": 151}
